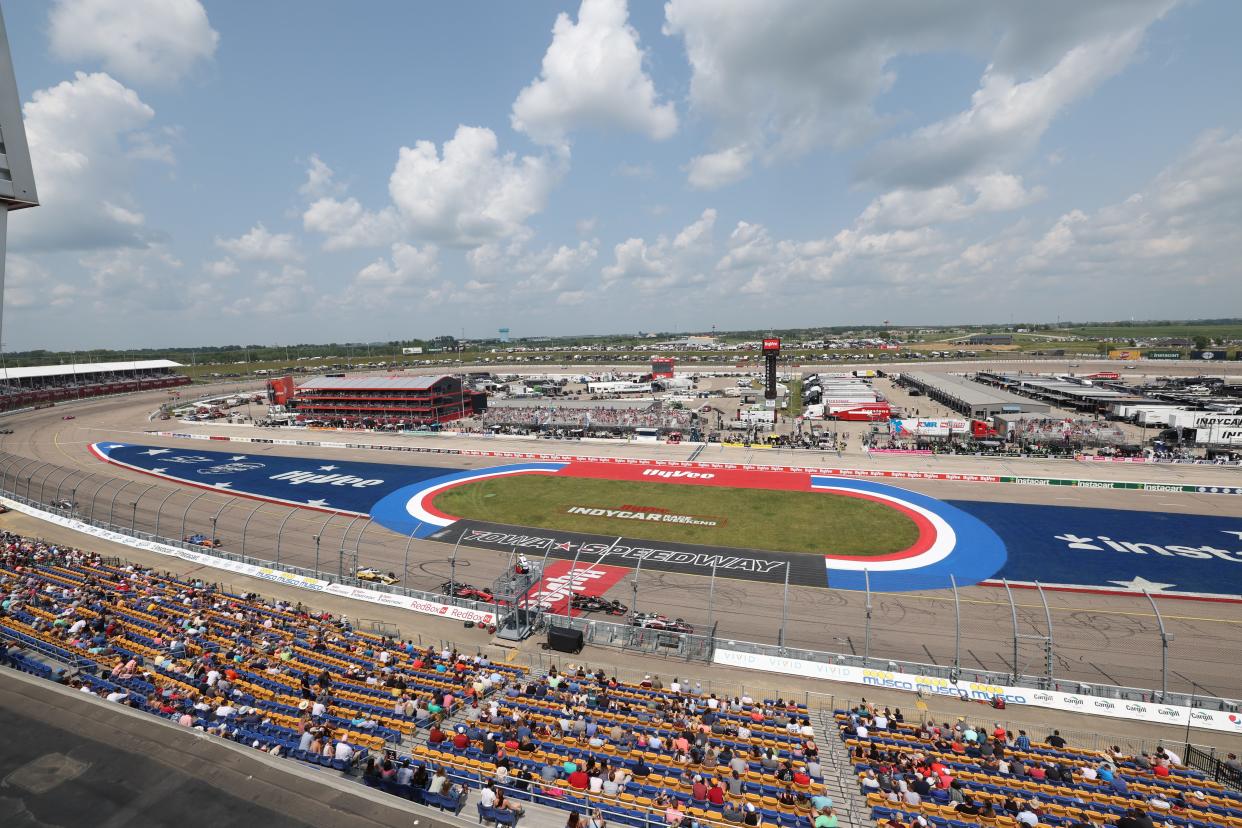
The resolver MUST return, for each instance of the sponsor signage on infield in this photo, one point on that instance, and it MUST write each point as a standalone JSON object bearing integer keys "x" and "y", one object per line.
{"x": 652, "y": 514}
{"x": 1212, "y": 355}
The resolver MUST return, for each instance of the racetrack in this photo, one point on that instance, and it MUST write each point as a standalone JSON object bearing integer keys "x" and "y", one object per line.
{"x": 1097, "y": 637}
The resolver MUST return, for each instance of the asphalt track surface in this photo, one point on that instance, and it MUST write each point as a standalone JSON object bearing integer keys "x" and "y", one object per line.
{"x": 1099, "y": 638}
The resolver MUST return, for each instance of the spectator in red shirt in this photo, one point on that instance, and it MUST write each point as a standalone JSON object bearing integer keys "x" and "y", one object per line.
{"x": 800, "y": 777}
{"x": 715, "y": 794}
{"x": 578, "y": 780}
{"x": 698, "y": 791}
{"x": 460, "y": 740}
{"x": 436, "y": 736}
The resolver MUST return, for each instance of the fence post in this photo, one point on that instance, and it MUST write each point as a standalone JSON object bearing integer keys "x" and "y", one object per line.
{"x": 957, "y": 630}
{"x": 634, "y": 594}
{"x": 1048, "y": 643}
{"x": 246, "y": 526}
{"x": 184, "y": 514}
{"x": 1165, "y": 638}
{"x": 95, "y": 495}
{"x": 405, "y": 568}
{"x": 160, "y": 509}
{"x": 340, "y": 557}
{"x": 1014, "y": 608}
{"x": 711, "y": 595}
{"x": 867, "y": 635}
{"x": 280, "y": 531}
{"x": 780, "y": 639}
{"x": 112, "y": 505}
{"x": 216, "y": 519}
{"x": 133, "y": 519}
{"x": 453, "y": 566}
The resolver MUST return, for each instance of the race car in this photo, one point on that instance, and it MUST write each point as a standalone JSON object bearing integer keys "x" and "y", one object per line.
{"x": 655, "y": 621}
{"x": 203, "y": 540}
{"x": 374, "y": 575}
{"x": 467, "y": 592}
{"x": 592, "y": 603}
{"x": 67, "y": 417}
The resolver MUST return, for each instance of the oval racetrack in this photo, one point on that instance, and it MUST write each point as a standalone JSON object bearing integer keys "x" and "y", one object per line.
{"x": 1097, "y": 637}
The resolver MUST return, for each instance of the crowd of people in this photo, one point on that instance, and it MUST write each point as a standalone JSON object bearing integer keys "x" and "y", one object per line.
{"x": 227, "y": 664}
{"x": 913, "y": 774}
{"x": 308, "y": 686}
{"x": 506, "y": 419}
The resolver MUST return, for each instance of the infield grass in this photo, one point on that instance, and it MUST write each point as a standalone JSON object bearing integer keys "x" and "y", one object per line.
{"x": 747, "y": 518}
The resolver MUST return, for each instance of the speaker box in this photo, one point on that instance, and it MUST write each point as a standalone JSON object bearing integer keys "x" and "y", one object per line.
{"x": 565, "y": 639}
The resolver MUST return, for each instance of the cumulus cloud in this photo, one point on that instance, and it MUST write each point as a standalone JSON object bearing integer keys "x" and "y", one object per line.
{"x": 554, "y": 270}
{"x": 1005, "y": 120}
{"x": 463, "y": 194}
{"x": 469, "y": 193}
{"x": 786, "y": 76}
{"x": 408, "y": 267}
{"x": 664, "y": 263}
{"x": 78, "y": 131}
{"x": 592, "y": 76}
{"x": 346, "y": 224}
{"x": 717, "y": 169}
{"x": 320, "y": 180}
{"x": 259, "y": 244}
{"x": 151, "y": 42}
{"x": 994, "y": 193}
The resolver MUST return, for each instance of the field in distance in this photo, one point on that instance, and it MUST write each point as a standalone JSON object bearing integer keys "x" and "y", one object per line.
{"x": 783, "y": 521}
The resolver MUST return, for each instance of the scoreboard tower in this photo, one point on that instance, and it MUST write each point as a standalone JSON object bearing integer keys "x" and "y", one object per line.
{"x": 771, "y": 350}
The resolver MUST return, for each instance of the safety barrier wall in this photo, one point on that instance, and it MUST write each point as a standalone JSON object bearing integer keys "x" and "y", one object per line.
{"x": 931, "y": 685}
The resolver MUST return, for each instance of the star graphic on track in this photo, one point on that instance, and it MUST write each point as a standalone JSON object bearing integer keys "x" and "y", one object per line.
{"x": 1140, "y": 584}
{"x": 224, "y": 485}
{"x": 159, "y": 471}
{"x": 115, "y": 446}
{"x": 154, "y": 452}
{"x": 1238, "y": 535}
{"x": 565, "y": 547}
{"x": 316, "y": 503}
{"x": 328, "y": 468}
{"x": 238, "y": 457}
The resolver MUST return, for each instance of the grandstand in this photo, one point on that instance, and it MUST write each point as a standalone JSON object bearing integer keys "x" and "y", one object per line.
{"x": 425, "y": 724}
{"x": 378, "y": 401}
{"x": 960, "y": 776}
{"x": 591, "y": 420}
{"x": 41, "y": 385}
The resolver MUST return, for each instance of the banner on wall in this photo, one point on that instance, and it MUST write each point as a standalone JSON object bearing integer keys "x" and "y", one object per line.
{"x": 267, "y": 574}
{"x": 975, "y": 691}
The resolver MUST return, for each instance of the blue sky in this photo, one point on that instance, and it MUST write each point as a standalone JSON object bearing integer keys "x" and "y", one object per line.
{"x": 305, "y": 171}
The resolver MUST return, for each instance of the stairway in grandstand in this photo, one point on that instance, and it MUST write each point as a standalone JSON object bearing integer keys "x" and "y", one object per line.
{"x": 838, "y": 773}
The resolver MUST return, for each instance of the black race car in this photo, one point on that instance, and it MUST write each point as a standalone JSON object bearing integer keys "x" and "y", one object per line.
{"x": 592, "y": 603}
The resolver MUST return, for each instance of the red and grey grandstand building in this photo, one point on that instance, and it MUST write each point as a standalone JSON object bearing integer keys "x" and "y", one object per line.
{"x": 378, "y": 400}
{"x": 40, "y": 385}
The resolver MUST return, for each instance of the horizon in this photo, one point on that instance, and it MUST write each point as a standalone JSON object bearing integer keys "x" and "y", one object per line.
{"x": 455, "y": 170}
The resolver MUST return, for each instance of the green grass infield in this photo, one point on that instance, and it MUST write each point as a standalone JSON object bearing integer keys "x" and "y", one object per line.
{"x": 783, "y": 521}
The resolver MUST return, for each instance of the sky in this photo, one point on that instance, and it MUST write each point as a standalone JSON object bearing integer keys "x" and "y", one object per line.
{"x": 289, "y": 171}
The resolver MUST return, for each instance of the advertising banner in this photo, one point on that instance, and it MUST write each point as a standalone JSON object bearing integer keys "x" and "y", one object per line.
{"x": 1163, "y": 354}
{"x": 1127, "y": 354}
{"x": 929, "y": 428}
{"x": 1213, "y": 355}
{"x": 983, "y": 692}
